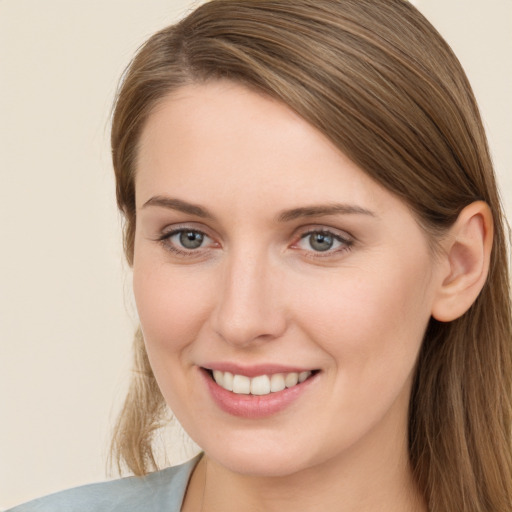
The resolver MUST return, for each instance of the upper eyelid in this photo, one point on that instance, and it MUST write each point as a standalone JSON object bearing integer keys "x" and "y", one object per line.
{"x": 177, "y": 228}
{"x": 327, "y": 231}
{"x": 172, "y": 232}
{"x": 336, "y": 232}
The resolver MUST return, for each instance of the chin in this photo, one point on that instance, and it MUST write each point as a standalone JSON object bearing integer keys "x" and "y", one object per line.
{"x": 258, "y": 461}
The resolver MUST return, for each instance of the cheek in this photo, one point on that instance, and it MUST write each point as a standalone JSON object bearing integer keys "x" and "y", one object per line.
{"x": 172, "y": 309}
{"x": 369, "y": 321}
{"x": 172, "y": 306}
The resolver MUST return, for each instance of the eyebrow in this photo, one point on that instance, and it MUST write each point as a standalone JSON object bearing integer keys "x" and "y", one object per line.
{"x": 322, "y": 210}
{"x": 285, "y": 216}
{"x": 178, "y": 205}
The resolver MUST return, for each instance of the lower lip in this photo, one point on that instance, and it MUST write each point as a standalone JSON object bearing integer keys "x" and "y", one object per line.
{"x": 255, "y": 406}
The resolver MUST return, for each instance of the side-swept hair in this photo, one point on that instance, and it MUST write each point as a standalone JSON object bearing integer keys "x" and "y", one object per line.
{"x": 379, "y": 81}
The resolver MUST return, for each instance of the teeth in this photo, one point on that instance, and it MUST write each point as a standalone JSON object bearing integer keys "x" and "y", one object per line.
{"x": 291, "y": 379}
{"x": 277, "y": 382}
{"x": 303, "y": 376}
{"x": 218, "y": 377}
{"x": 241, "y": 385}
{"x": 228, "y": 381}
{"x": 260, "y": 385}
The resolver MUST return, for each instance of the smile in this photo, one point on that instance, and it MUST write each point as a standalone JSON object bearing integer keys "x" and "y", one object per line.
{"x": 259, "y": 385}
{"x": 256, "y": 392}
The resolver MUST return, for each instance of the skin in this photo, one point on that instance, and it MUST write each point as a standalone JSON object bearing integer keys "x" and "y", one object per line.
{"x": 256, "y": 291}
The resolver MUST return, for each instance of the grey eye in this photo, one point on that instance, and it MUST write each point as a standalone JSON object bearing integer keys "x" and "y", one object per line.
{"x": 321, "y": 241}
{"x": 191, "y": 239}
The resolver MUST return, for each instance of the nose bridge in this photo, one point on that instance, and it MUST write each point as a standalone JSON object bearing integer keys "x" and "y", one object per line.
{"x": 248, "y": 307}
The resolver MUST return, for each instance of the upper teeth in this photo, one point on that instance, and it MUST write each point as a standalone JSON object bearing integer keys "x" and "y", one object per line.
{"x": 260, "y": 385}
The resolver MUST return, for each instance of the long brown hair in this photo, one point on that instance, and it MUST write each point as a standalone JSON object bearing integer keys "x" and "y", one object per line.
{"x": 379, "y": 81}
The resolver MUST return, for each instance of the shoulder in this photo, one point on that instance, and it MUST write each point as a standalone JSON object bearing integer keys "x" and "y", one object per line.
{"x": 160, "y": 491}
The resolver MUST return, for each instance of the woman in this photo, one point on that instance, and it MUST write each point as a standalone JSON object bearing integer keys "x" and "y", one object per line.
{"x": 320, "y": 267}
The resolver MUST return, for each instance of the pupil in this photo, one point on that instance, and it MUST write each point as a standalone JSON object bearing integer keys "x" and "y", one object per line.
{"x": 321, "y": 242}
{"x": 191, "y": 239}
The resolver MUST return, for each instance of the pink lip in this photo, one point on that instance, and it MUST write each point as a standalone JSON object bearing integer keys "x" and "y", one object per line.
{"x": 251, "y": 406}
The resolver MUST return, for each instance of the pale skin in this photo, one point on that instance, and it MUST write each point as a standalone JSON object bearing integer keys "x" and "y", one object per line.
{"x": 299, "y": 258}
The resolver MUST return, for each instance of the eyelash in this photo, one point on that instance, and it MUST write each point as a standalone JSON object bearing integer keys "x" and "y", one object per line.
{"x": 345, "y": 242}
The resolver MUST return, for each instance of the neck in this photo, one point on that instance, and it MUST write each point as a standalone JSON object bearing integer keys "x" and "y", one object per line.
{"x": 329, "y": 487}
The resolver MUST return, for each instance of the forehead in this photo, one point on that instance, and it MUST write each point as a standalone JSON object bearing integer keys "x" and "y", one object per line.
{"x": 221, "y": 141}
{"x": 224, "y": 115}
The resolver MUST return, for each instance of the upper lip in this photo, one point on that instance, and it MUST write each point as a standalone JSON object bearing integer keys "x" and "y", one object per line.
{"x": 254, "y": 370}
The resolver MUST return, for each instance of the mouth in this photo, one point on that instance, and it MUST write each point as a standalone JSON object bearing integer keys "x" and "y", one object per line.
{"x": 257, "y": 392}
{"x": 259, "y": 385}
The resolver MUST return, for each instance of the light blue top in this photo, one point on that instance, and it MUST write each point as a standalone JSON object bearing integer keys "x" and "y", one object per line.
{"x": 162, "y": 491}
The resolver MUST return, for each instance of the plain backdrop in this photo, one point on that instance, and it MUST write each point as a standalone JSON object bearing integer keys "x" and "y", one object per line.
{"x": 66, "y": 313}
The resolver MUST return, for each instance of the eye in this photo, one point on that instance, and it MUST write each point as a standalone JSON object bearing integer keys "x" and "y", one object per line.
{"x": 323, "y": 241}
{"x": 189, "y": 239}
{"x": 184, "y": 241}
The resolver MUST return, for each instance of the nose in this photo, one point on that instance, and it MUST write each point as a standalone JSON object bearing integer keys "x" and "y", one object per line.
{"x": 250, "y": 307}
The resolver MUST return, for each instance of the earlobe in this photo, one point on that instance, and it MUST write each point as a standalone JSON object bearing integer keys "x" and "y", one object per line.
{"x": 467, "y": 256}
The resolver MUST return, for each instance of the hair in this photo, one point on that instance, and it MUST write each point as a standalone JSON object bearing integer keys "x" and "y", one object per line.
{"x": 378, "y": 80}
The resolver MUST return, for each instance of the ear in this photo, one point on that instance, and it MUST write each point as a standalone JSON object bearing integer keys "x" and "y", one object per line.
{"x": 466, "y": 257}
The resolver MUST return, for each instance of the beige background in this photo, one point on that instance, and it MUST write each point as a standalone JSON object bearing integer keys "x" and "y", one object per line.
{"x": 66, "y": 316}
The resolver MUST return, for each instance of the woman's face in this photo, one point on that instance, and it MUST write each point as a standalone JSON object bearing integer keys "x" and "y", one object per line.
{"x": 263, "y": 255}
